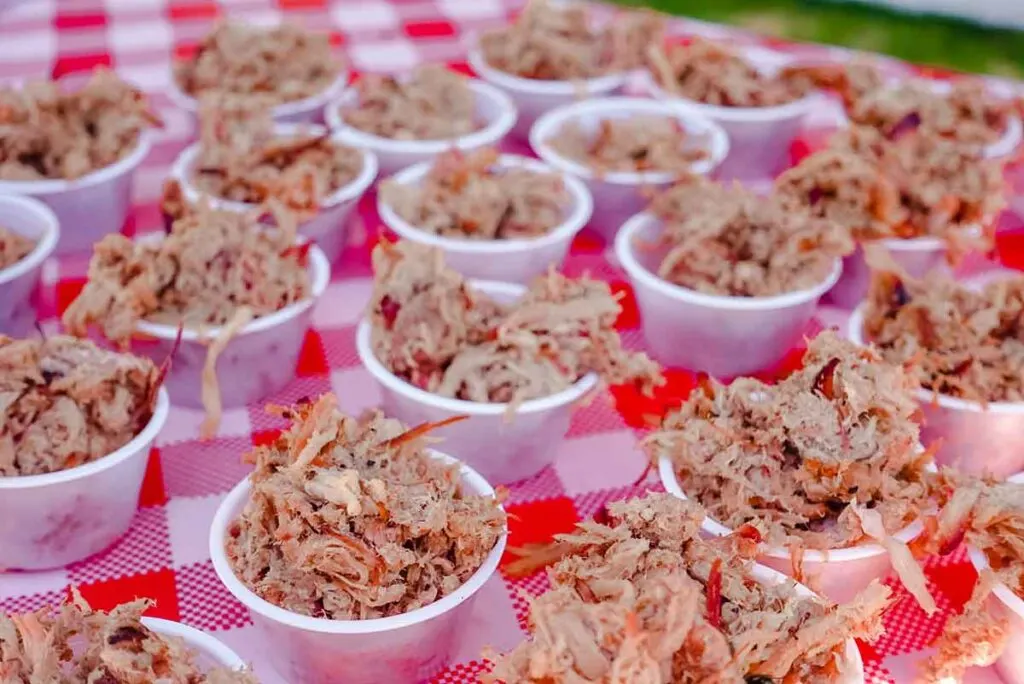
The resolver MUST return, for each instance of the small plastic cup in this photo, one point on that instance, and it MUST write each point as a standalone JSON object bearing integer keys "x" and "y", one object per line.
{"x": 48, "y": 521}
{"x": 513, "y": 261}
{"x": 493, "y": 107}
{"x": 975, "y": 439}
{"x": 535, "y": 97}
{"x": 34, "y": 220}
{"x": 839, "y": 574}
{"x": 759, "y": 137}
{"x": 329, "y": 228}
{"x": 402, "y": 649}
{"x": 1006, "y": 604}
{"x": 503, "y": 448}
{"x": 89, "y": 207}
{"x": 244, "y": 374}
{"x": 621, "y": 194}
{"x": 917, "y": 256}
{"x": 720, "y": 335}
{"x": 307, "y": 110}
{"x": 209, "y": 652}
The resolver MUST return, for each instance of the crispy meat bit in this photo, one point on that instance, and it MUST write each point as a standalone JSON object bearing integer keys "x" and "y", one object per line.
{"x": 13, "y": 247}
{"x": 636, "y": 144}
{"x": 450, "y": 340}
{"x": 353, "y": 519}
{"x": 467, "y": 196}
{"x": 66, "y": 402}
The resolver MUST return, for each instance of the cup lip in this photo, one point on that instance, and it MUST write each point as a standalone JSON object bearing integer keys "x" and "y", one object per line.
{"x": 851, "y": 553}
{"x": 114, "y": 458}
{"x": 692, "y": 120}
{"x": 637, "y": 272}
{"x": 54, "y": 186}
{"x": 183, "y": 100}
{"x": 354, "y": 189}
{"x": 762, "y": 115}
{"x": 597, "y": 85}
{"x": 855, "y": 333}
{"x": 44, "y": 245}
{"x": 582, "y": 207}
{"x": 238, "y": 496}
{"x": 458, "y": 406}
{"x": 196, "y": 640}
{"x": 320, "y": 276}
{"x": 492, "y": 132}
{"x": 980, "y": 562}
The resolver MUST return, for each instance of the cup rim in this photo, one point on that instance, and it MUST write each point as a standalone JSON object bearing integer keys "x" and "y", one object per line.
{"x": 44, "y": 245}
{"x": 196, "y": 640}
{"x": 980, "y": 562}
{"x": 855, "y": 333}
{"x": 381, "y": 374}
{"x": 647, "y": 279}
{"x": 597, "y": 85}
{"x": 114, "y": 458}
{"x": 764, "y": 115}
{"x": 183, "y": 100}
{"x": 692, "y": 120}
{"x": 235, "y": 501}
{"x": 492, "y": 132}
{"x": 53, "y": 186}
{"x": 579, "y": 214}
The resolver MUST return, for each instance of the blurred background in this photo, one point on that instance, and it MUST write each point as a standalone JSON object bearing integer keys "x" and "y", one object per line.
{"x": 985, "y": 36}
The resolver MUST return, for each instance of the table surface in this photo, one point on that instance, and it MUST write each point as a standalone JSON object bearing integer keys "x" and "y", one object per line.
{"x": 164, "y": 555}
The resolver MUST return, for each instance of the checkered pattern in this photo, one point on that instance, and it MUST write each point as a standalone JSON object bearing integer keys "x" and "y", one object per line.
{"x": 164, "y": 555}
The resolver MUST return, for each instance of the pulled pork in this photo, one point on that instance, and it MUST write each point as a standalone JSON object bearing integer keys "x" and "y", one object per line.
{"x": 242, "y": 159}
{"x": 471, "y": 197}
{"x": 13, "y": 247}
{"x": 963, "y": 343}
{"x": 726, "y": 240}
{"x": 711, "y": 73}
{"x": 74, "y": 644}
{"x": 353, "y": 519}
{"x": 431, "y": 329}
{"x": 636, "y": 144}
{"x": 46, "y": 133}
{"x": 270, "y": 65}
{"x": 557, "y": 42}
{"x": 66, "y": 402}
{"x": 803, "y": 459}
{"x": 645, "y": 599}
{"x": 432, "y": 104}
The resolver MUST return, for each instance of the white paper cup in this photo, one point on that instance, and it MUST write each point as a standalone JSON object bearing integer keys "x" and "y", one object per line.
{"x": 720, "y": 335}
{"x": 502, "y": 448}
{"x": 975, "y": 439}
{"x": 401, "y": 649}
{"x": 917, "y": 256}
{"x": 759, "y": 136}
{"x": 512, "y": 261}
{"x": 48, "y": 521}
{"x": 329, "y": 228}
{"x": 1006, "y": 604}
{"x": 34, "y": 220}
{"x": 535, "y": 97}
{"x": 89, "y": 207}
{"x": 621, "y": 194}
{"x": 307, "y": 110}
{"x": 493, "y": 108}
{"x": 839, "y": 574}
{"x": 209, "y": 652}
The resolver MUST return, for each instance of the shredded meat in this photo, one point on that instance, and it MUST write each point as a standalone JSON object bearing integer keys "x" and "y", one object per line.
{"x": 636, "y": 144}
{"x": 799, "y": 457}
{"x": 711, "y": 73}
{"x": 431, "y": 329}
{"x": 644, "y": 599}
{"x": 270, "y": 65}
{"x": 726, "y": 240}
{"x": 353, "y": 519}
{"x": 74, "y": 644}
{"x": 48, "y": 133}
{"x": 432, "y": 104}
{"x": 13, "y": 247}
{"x": 554, "y": 42}
{"x": 468, "y": 196}
{"x": 961, "y": 342}
{"x": 241, "y": 159}
{"x": 66, "y": 402}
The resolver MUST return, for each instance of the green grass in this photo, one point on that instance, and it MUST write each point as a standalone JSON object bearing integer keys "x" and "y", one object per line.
{"x": 935, "y": 41}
